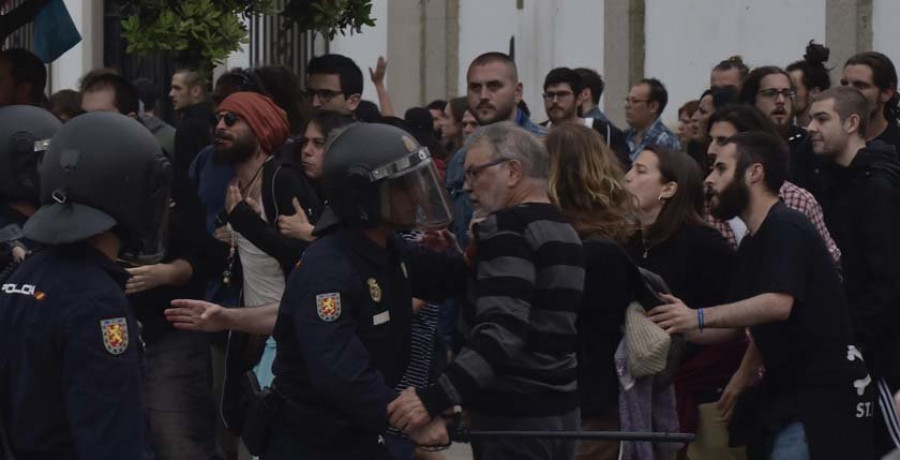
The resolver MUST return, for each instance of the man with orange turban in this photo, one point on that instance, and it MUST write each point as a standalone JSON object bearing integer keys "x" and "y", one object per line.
{"x": 249, "y": 129}
{"x": 244, "y": 110}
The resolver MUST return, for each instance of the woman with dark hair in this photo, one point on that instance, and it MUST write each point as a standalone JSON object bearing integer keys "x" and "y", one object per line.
{"x": 810, "y": 77}
{"x": 676, "y": 242}
{"x": 710, "y": 101}
{"x": 309, "y": 154}
{"x": 587, "y": 184}
{"x": 452, "y": 131}
{"x": 685, "y": 125}
{"x": 283, "y": 87}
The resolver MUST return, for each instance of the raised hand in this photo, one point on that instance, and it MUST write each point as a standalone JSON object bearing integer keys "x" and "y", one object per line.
{"x": 377, "y": 75}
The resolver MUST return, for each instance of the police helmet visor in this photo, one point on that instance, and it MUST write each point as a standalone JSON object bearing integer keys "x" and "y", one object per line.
{"x": 27, "y": 155}
{"x": 414, "y": 198}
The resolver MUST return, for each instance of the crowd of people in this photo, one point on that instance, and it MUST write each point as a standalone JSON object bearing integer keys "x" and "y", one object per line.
{"x": 289, "y": 270}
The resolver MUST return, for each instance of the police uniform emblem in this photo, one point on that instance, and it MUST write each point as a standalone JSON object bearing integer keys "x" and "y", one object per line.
{"x": 115, "y": 335}
{"x": 328, "y": 306}
{"x": 374, "y": 290}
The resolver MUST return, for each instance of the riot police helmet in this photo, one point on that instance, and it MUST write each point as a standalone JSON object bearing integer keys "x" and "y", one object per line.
{"x": 375, "y": 174}
{"x": 104, "y": 171}
{"x": 25, "y": 132}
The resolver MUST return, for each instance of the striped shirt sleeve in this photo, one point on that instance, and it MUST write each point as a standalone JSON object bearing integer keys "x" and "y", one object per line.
{"x": 505, "y": 289}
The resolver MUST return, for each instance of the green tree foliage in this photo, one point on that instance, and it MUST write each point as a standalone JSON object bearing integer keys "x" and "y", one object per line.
{"x": 205, "y": 32}
{"x": 330, "y": 16}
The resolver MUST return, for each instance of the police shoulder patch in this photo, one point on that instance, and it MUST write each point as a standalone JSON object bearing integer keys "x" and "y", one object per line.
{"x": 115, "y": 335}
{"x": 328, "y": 306}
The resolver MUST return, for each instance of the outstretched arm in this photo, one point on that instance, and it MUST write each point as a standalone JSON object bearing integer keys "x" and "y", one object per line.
{"x": 676, "y": 317}
{"x": 197, "y": 315}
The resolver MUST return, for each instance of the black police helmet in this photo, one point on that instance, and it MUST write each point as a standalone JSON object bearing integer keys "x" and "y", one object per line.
{"x": 24, "y": 132}
{"x": 378, "y": 174}
{"x": 103, "y": 171}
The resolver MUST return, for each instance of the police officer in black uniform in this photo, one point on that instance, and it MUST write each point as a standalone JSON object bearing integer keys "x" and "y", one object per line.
{"x": 24, "y": 132}
{"x": 343, "y": 327}
{"x": 70, "y": 353}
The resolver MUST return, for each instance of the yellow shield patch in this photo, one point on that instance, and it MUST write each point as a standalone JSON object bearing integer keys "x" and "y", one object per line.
{"x": 115, "y": 335}
{"x": 328, "y": 306}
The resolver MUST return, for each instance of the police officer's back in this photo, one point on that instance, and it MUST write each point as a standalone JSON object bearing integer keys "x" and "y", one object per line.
{"x": 343, "y": 330}
{"x": 70, "y": 372}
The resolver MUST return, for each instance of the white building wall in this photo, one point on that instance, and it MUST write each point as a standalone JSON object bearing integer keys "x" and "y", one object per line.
{"x": 69, "y": 68}
{"x": 885, "y": 33}
{"x": 239, "y": 58}
{"x": 684, "y": 40}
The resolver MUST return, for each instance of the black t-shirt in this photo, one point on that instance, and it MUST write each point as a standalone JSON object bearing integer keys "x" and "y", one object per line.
{"x": 696, "y": 262}
{"x": 813, "y": 375}
{"x": 786, "y": 255}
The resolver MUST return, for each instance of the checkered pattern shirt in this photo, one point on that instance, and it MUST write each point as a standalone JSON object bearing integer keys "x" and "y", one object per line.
{"x": 795, "y": 198}
{"x": 656, "y": 134}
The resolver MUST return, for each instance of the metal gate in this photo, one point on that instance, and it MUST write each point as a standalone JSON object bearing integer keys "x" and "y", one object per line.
{"x": 274, "y": 40}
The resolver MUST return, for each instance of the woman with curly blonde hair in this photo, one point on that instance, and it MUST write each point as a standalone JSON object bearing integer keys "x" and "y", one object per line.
{"x": 588, "y": 185}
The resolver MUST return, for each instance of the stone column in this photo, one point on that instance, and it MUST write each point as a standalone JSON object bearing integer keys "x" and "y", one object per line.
{"x": 848, "y": 30}
{"x": 623, "y": 62}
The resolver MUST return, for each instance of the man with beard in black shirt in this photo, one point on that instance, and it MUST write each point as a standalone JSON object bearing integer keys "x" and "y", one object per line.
{"x": 861, "y": 211}
{"x": 815, "y": 398}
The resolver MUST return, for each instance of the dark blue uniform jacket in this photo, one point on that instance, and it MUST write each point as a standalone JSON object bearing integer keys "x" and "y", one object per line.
{"x": 343, "y": 328}
{"x": 70, "y": 372}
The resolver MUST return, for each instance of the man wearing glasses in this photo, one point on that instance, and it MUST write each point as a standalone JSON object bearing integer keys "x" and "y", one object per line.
{"x": 517, "y": 369}
{"x": 771, "y": 90}
{"x": 563, "y": 95}
{"x": 644, "y": 106}
{"x": 335, "y": 83}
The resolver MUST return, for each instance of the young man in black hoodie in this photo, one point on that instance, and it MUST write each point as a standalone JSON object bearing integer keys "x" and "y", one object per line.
{"x": 860, "y": 200}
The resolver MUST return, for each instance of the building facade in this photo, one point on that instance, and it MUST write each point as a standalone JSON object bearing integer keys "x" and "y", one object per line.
{"x": 429, "y": 43}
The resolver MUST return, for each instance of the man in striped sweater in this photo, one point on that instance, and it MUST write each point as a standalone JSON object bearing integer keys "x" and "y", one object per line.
{"x": 518, "y": 369}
